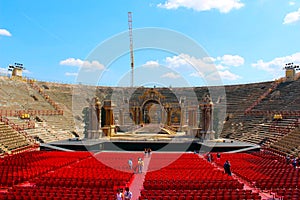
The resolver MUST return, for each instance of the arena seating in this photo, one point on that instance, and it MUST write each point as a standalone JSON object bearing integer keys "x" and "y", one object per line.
{"x": 190, "y": 177}
{"x": 289, "y": 143}
{"x": 11, "y": 139}
{"x": 265, "y": 171}
{"x": 64, "y": 175}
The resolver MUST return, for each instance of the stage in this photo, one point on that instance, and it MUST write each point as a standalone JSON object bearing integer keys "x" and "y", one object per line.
{"x": 175, "y": 144}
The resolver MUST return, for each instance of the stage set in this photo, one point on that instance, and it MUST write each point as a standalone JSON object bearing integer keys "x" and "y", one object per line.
{"x": 152, "y": 118}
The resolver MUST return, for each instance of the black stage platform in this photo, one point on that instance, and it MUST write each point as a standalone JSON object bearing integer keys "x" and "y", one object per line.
{"x": 220, "y": 145}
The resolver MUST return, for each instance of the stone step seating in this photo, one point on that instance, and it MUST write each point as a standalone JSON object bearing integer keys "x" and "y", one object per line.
{"x": 238, "y": 99}
{"x": 60, "y": 125}
{"x": 46, "y": 134}
{"x": 289, "y": 143}
{"x": 73, "y": 100}
{"x": 241, "y": 96}
{"x": 11, "y": 139}
{"x": 22, "y": 123}
{"x": 18, "y": 95}
{"x": 253, "y": 130}
{"x": 285, "y": 97}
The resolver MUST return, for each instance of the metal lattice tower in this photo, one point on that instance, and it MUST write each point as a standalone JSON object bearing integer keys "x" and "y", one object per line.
{"x": 131, "y": 48}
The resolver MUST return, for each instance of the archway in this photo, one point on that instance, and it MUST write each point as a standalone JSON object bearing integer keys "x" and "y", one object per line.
{"x": 153, "y": 112}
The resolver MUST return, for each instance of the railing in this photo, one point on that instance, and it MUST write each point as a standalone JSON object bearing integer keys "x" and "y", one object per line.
{"x": 17, "y": 113}
{"x": 284, "y": 113}
{"x": 285, "y": 129}
{"x": 20, "y": 129}
{"x": 46, "y": 97}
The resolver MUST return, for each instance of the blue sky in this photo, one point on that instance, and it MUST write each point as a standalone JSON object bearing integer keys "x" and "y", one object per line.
{"x": 244, "y": 41}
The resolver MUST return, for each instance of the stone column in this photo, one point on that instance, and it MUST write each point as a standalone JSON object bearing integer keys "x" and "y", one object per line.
{"x": 168, "y": 109}
{"x": 206, "y": 108}
{"x": 94, "y": 119}
{"x": 140, "y": 115}
{"x": 109, "y": 125}
{"x": 182, "y": 113}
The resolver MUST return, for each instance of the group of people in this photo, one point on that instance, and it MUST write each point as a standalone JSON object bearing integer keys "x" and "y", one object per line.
{"x": 147, "y": 151}
{"x": 210, "y": 157}
{"x": 124, "y": 196}
{"x": 139, "y": 168}
{"x": 226, "y": 166}
{"x": 294, "y": 161}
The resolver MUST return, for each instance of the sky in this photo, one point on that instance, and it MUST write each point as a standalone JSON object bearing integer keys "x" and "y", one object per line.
{"x": 176, "y": 42}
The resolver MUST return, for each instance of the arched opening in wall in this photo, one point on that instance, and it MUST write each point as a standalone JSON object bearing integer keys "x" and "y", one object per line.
{"x": 153, "y": 112}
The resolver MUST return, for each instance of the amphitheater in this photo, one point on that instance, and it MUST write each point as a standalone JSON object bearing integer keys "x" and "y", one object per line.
{"x": 51, "y": 148}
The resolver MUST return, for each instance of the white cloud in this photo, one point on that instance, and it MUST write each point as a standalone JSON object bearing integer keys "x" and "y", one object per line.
{"x": 208, "y": 59}
{"x": 205, "y": 67}
{"x": 87, "y": 65}
{"x": 25, "y": 71}
{"x": 231, "y": 60}
{"x": 177, "y": 61}
{"x": 221, "y": 67}
{"x": 5, "y": 32}
{"x": 291, "y": 3}
{"x": 227, "y": 75}
{"x": 224, "y": 6}
{"x": 151, "y": 64}
{"x": 71, "y": 74}
{"x": 3, "y": 70}
{"x": 276, "y": 65}
{"x": 292, "y": 17}
{"x": 171, "y": 75}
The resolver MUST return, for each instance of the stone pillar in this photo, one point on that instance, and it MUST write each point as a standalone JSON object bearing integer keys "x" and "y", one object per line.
{"x": 109, "y": 125}
{"x": 168, "y": 109}
{"x": 94, "y": 119}
{"x": 121, "y": 117}
{"x": 206, "y": 109}
{"x": 140, "y": 115}
{"x": 182, "y": 113}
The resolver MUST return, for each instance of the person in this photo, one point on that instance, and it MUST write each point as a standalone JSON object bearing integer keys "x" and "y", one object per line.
{"x": 294, "y": 163}
{"x": 218, "y": 156}
{"x": 149, "y": 152}
{"x": 287, "y": 158}
{"x": 128, "y": 193}
{"x": 140, "y": 165}
{"x": 130, "y": 163}
{"x": 119, "y": 195}
{"x": 227, "y": 168}
{"x": 209, "y": 157}
{"x": 145, "y": 152}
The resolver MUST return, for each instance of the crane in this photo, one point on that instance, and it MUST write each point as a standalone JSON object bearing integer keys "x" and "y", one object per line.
{"x": 131, "y": 47}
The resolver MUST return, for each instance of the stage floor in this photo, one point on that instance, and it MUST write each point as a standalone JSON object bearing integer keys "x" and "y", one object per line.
{"x": 175, "y": 144}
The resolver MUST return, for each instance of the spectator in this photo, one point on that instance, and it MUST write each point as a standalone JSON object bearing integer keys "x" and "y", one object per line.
{"x": 119, "y": 195}
{"x": 130, "y": 163}
{"x": 288, "y": 159}
{"x": 227, "y": 168}
{"x": 140, "y": 165}
{"x": 127, "y": 194}
{"x": 209, "y": 157}
{"x": 149, "y": 152}
{"x": 218, "y": 156}
{"x": 294, "y": 163}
